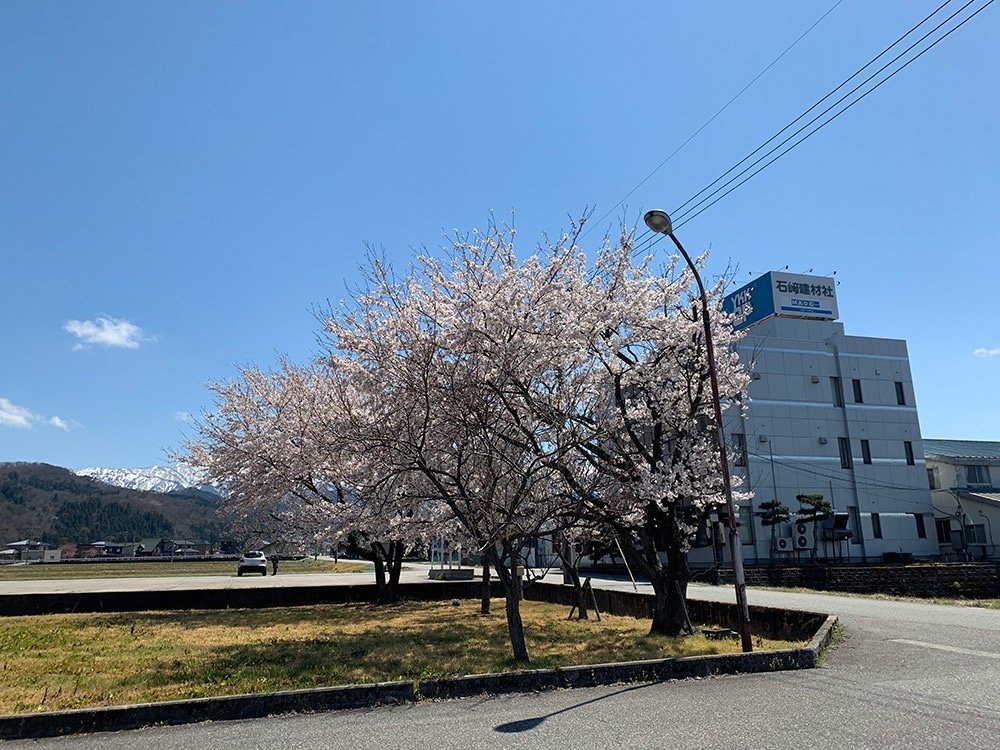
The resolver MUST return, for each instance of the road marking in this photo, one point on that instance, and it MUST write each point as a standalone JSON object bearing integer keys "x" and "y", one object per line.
{"x": 953, "y": 649}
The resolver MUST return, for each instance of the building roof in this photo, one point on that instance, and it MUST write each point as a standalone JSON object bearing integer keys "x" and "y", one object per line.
{"x": 973, "y": 450}
{"x": 26, "y": 543}
{"x": 990, "y": 497}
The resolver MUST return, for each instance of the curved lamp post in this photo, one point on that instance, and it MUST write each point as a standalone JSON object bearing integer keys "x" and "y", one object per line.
{"x": 659, "y": 222}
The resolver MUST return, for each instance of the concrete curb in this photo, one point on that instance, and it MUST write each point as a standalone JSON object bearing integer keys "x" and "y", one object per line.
{"x": 119, "y": 718}
{"x": 823, "y": 638}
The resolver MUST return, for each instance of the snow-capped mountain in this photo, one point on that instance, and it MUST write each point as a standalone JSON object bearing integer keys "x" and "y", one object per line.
{"x": 152, "y": 478}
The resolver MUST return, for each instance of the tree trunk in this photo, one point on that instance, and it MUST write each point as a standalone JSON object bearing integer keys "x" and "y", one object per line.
{"x": 395, "y": 567}
{"x": 581, "y": 595}
{"x": 570, "y": 570}
{"x": 381, "y": 585}
{"x": 670, "y": 604}
{"x": 510, "y": 583}
{"x": 484, "y": 608}
{"x": 669, "y": 583}
{"x": 515, "y": 626}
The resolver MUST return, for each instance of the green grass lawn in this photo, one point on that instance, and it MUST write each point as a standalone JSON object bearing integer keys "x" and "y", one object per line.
{"x": 57, "y": 571}
{"x": 83, "y": 660}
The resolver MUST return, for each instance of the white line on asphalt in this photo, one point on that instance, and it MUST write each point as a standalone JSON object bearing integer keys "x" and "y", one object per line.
{"x": 953, "y": 649}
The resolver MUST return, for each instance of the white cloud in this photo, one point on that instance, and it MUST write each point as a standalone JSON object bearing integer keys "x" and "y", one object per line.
{"x": 983, "y": 352}
{"x": 105, "y": 332}
{"x": 184, "y": 416}
{"x": 12, "y": 415}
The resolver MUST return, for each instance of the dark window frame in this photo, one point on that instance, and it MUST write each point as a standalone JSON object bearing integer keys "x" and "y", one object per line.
{"x": 837, "y": 388}
{"x": 876, "y": 526}
{"x": 900, "y": 394}
{"x": 975, "y": 533}
{"x": 866, "y": 452}
{"x": 858, "y": 395}
{"x": 739, "y": 448}
{"x": 908, "y": 450}
{"x": 943, "y": 528}
{"x": 981, "y": 472}
{"x": 846, "y": 459}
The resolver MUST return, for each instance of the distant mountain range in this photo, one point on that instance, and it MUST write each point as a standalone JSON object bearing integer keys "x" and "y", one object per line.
{"x": 153, "y": 478}
{"x": 56, "y": 505}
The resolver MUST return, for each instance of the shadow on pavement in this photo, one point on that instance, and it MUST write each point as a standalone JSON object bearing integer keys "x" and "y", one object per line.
{"x": 524, "y": 725}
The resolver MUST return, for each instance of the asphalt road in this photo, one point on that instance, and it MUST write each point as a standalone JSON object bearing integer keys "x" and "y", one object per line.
{"x": 906, "y": 676}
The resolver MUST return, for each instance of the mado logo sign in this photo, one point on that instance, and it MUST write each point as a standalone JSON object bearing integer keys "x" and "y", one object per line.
{"x": 806, "y": 296}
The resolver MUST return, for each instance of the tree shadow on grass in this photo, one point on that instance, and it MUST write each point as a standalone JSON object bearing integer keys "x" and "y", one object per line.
{"x": 336, "y": 657}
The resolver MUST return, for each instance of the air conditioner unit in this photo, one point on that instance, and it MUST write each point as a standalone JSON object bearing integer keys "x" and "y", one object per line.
{"x": 800, "y": 529}
{"x": 782, "y": 544}
{"x": 803, "y": 541}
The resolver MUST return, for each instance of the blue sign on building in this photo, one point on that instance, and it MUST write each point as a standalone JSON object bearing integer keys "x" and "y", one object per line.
{"x": 787, "y": 294}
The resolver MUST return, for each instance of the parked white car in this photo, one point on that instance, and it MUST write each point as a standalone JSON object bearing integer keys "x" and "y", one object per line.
{"x": 254, "y": 561}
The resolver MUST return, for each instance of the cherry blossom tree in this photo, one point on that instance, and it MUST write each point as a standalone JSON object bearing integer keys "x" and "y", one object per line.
{"x": 499, "y": 400}
{"x": 627, "y": 406}
{"x": 280, "y": 445}
{"x": 442, "y": 347}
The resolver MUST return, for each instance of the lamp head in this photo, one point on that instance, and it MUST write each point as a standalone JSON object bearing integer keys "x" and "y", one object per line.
{"x": 659, "y": 221}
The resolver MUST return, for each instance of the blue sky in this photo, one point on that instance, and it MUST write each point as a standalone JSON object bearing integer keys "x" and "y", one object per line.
{"x": 183, "y": 183}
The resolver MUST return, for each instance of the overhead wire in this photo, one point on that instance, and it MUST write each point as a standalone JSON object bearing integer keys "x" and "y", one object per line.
{"x": 711, "y": 119}
{"x": 873, "y": 484}
{"x": 815, "y": 104}
{"x": 687, "y": 216}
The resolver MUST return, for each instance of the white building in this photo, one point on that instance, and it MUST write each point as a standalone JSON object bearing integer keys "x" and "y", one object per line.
{"x": 828, "y": 414}
{"x": 964, "y": 476}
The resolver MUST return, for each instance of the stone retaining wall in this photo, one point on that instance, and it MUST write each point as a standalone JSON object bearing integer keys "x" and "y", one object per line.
{"x": 946, "y": 580}
{"x": 780, "y": 624}
{"x": 236, "y": 598}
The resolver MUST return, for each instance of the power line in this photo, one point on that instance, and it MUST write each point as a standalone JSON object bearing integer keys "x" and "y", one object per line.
{"x": 688, "y": 216}
{"x": 713, "y": 117}
{"x": 810, "y": 109}
{"x": 853, "y": 482}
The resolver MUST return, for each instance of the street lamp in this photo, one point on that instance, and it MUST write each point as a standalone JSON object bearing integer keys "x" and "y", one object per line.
{"x": 659, "y": 222}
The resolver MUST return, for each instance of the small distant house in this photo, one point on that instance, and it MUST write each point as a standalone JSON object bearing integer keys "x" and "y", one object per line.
{"x": 964, "y": 477}
{"x": 152, "y": 547}
{"x": 29, "y": 550}
{"x": 120, "y": 549}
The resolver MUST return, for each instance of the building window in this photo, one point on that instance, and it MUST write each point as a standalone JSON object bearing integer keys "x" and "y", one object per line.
{"x": 900, "y": 394}
{"x": 932, "y": 479}
{"x": 838, "y": 391}
{"x": 744, "y": 523}
{"x": 876, "y": 526}
{"x": 866, "y": 452}
{"x": 855, "y": 516}
{"x": 908, "y": 449}
{"x": 739, "y": 445}
{"x": 921, "y": 529}
{"x": 857, "y": 391}
{"x": 845, "y": 453}
{"x": 977, "y": 475}
{"x": 975, "y": 533}
{"x": 943, "y": 526}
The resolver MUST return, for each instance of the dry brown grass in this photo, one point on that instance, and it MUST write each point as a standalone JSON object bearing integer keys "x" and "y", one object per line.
{"x": 72, "y": 661}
